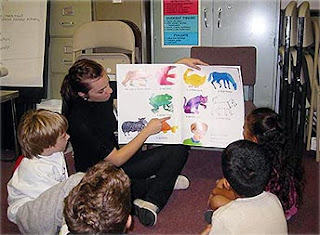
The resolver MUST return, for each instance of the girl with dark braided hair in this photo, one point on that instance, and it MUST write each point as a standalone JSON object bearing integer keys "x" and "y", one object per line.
{"x": 286, "y": 181}
{"x": 265, "y": 127}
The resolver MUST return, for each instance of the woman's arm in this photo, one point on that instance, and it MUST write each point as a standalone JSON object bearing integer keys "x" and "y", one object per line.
{"x": 121, "y": 156}
{"x": 191, "y": 62}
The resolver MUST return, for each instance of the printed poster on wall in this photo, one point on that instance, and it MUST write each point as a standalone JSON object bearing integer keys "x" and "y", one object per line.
{"x": 206, "y": 107}
{"x": 180, "y": 23}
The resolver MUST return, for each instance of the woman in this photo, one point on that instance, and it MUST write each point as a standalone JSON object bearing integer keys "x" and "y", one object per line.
{"x": 154, "y": 173}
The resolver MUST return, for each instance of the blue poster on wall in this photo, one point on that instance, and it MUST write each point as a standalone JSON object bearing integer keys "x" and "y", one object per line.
{"x": 180, "y": 23}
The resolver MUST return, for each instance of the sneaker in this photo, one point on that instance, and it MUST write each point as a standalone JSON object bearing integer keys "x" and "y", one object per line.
{"x": 146, "y": 212}
{"x": 182, "y": 182}
{"x": 208, "y": 216}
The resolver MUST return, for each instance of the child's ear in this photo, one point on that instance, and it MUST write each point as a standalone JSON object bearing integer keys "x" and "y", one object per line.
{"x": 227, "y": 185}
{"x": 129, "y": 221}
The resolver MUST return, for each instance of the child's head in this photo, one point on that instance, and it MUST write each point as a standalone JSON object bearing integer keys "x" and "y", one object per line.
{"x": 101, "y": 202}
{"x": 262, "y": 124}
{"x": 245, "y": 167}
{"x": 42, "y": 129}
{"x": 265, "y": 127}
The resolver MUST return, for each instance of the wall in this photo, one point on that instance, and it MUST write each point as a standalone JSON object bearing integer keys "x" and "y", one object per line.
{"x": 126, "y": 10}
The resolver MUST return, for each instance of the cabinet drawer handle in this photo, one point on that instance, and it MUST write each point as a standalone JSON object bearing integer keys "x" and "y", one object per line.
{"x": 205, "y": 17}
{"x": 67, "y": 24}
{"x": 67, "y": 49}
{"x": 66, "y": 61}
{"x": 219, "y": 17}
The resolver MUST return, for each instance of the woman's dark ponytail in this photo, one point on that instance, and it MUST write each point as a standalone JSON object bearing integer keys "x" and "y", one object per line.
{"x": 77, "y": 79}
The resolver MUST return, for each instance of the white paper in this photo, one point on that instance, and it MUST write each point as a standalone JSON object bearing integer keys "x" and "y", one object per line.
{"x": 22, "y": 42}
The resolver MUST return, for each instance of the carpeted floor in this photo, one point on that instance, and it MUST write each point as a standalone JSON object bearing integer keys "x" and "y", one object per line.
{"x": 184, "y": 212}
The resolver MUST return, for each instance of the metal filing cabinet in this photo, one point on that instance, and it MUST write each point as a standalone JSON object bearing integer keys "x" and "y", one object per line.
{"x": 65, "y": 17}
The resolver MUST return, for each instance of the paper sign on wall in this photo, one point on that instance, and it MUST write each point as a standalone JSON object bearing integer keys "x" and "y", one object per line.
{"x": 180, "y": 23}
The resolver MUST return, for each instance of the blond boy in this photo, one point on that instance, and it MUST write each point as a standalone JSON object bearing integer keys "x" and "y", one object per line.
{"x": 43, "y": 138}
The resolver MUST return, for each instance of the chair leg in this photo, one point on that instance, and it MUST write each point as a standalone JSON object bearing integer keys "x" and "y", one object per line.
{"x": 318, "y": 125}
{"x": 310, "y": 121}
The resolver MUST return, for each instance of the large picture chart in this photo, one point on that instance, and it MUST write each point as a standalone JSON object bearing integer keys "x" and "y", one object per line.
{"x": 206, "y": 107}
{"x": 22, "y": 42}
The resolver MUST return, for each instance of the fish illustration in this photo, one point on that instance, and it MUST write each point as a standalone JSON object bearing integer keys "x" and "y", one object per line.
{"x": 166, "y": 127}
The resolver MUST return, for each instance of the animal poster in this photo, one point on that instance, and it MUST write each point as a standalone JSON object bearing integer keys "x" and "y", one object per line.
{"x": 206, "y": 107}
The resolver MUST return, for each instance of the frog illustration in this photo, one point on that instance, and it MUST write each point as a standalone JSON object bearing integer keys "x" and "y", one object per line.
{"x": 163, "y": 100}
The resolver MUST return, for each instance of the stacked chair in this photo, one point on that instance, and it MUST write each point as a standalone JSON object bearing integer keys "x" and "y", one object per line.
{"x": 297, "y": 67}
{"x": 109, "y": 43}
{"x": 286, "y": 51}
{"x": 314, "y": 114}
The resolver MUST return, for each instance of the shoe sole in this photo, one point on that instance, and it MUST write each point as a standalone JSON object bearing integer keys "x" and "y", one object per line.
{"x": 208, "y": 216}
{"x": 146, "y": 216}
{"x": 185, "y": 186}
